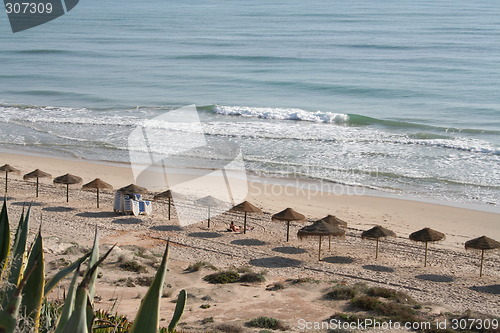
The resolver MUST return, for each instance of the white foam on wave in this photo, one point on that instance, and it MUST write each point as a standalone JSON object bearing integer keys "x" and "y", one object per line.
{"x": 283, "y": 114}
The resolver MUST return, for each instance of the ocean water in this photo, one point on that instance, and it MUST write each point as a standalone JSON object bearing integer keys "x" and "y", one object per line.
{"x": 398, "y": 96}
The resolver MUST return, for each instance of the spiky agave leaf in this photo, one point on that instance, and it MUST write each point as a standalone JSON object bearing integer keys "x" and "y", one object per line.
{"x": 78, "y": 320}
{"x": 33, "y": 292}
{"x": 94, "y": 256}
{"x": 69, "y": 303}
{"x": 179, "y": 310}
{"x": 4, "y": 238}
{"x": 63, "y": 273}
{"x": 147, "y": 318}
{"x": 17, "y": 259}
{"x": 9, "y": 314}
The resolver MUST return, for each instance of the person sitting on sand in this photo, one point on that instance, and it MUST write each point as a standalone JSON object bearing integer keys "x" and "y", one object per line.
{"x": 233, "y": 227}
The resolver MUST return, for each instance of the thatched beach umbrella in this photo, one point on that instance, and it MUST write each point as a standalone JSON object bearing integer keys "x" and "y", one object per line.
{"x": 376, "y": 233}
{"x": 8, "y": 169}
{"x": 246, "y": 207}
{"x": 132, "y": 188}
{"x": 169, "y": 195}
{"x": 67, "y": 179}
{"x": 288, "y": 215}
{"x": 426, "y": 235}
{"x": 320, "y": 228}
{"x": 37, "y": 173}
{"x": 482, "y": 243}
{"x": 97, "y": 184}
{"x": 333, "y": 220}
{"x": 209, "y": 202}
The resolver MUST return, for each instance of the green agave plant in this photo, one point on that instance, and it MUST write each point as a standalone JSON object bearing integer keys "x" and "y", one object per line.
{"x": 25, "y": 308}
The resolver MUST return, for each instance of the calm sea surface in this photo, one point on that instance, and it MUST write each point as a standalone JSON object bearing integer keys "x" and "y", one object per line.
{"x": 400, "y": 96}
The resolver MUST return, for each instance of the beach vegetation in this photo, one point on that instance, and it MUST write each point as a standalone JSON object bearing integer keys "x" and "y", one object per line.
{"x": 133, "y": 266}
{"x": 223, "y": 277}
{"x": 267, "y": 322}
{"x": 344, "y": 292}
{"x": 197, "y": 266}
{"x": 303, "y": 280}
{"x": 24, "y": 306}
{"x": 276, "y": 286}
{"x": 253, "y": 277}
{"x": 392, "y": 294}
{"x": 229, "y": 328}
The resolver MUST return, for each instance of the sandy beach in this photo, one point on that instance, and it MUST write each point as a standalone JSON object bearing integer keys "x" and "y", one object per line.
{"x": 449, "y": 283}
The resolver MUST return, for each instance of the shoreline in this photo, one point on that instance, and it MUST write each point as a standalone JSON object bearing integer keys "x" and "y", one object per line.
{"x": 317, "y": 185}
{"x": 360, "y": 211}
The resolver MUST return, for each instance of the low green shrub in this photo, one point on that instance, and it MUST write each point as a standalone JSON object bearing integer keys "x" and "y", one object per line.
{"x": 253, "y": 277}
{"x": 267, "y": 322}
{"x": 197, "y": 266}
{"x": 229, "y": 328}
{"x": 222, "y": 277}
{"x": 133, "y": 266}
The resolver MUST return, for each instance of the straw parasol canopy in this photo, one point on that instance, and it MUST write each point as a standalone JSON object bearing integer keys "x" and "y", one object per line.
{"x": 132, "y": 188}
{"x": 376, "y": 233}
{"x": 320, "y": 228}
{"x": 246, "y": 207}
{"x": 37, "y": 173}
{"x": 288, "y": 215}
{"x": 482, "y": 243}
{"x": 426, "y": 235}
{"x": 8, "y": 169}
{"x": 334, "y": 220}
{"x": 209, "y": 202}
{"x": 67, "y": 179}
{"x": 97, "y": 184}
{"x": 169, "y": 195}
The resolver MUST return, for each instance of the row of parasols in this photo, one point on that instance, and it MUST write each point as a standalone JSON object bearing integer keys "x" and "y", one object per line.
{"x": 329, "y": 226}
{"x": 67, "y": 179}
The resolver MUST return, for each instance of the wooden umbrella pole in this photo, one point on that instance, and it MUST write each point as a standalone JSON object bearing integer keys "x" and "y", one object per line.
{"x": 376, "y": 250}
{"x": 208, "y": 217}
{"x": 169, "y": 208}
{"x": 67, "y": 192}
{"x": 287, "y": 230}
{"x": 329, "y": 242}
{"x": 425, "y": 258}
{"x": 319, "y": 251}
{"x": 37, "y": 187}
{"x": 481, "y": 268}
{"x": 245, "y": 224}
{"x": 98, "y": 197}
{"x": 6, "y": 173}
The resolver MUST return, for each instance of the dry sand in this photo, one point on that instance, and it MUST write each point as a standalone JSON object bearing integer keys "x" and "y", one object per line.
{"x": 449, "y": 283}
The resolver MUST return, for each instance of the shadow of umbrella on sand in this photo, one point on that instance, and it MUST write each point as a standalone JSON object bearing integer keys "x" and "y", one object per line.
{"x": 426, "y": 235}
{"x": 288, "y": 215}
{"x": 169, "y": 195}
{"x": 246, "y": 207}
{"x": 8, "y": 169}
{"x": 67, "y": 179}
{"x": 97, "y": 184}
{"x": 482, "y": 243}
{"x": 376, "y": 233}
{"x": 210, "y": 202}
{"x": 320, "y": 228}
{"x": 37, "y": 174}
{"x": 335, "y": 221}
